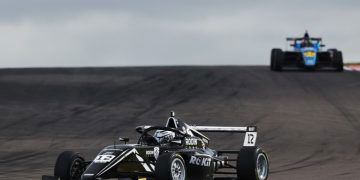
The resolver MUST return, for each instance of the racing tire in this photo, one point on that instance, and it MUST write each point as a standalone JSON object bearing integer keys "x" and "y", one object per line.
{"x": 272, "y": 60}
{"x": 170, "y": 166}
{"x": 252, "y": 164}
{"x": 278, "y": 59}
{"x": 338, "y": 61}
{"x": 45, "y": 177}
{"x": 69, "y": 166}
{"x": 333, "y": 49}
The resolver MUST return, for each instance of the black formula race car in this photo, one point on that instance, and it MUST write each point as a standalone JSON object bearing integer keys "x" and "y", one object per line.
{"x": 307, "y": 53}
{"x": 176, "y": 151}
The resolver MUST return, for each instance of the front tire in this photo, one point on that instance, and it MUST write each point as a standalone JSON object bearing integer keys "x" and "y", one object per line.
{"x": 252, "y": 164}
{"x": 170, "y": 167}
{"x": 277, "y": 59}
{"x": 69, "y": 166}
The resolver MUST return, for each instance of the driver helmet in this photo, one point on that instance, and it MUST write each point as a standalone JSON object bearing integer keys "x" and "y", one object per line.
{"x": 306, "y": 36}
{"x": 307, "y": 39}
{"x": 163, "y": 137}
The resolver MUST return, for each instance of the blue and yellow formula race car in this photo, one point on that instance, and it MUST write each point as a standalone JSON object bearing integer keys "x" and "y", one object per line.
{"x": 307, "y": 53}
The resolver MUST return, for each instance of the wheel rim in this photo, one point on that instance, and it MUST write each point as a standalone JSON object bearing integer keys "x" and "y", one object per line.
{"x": 76, "y": 169}
{"x": 177, "y": 169}
{"x": 262, "y": 167}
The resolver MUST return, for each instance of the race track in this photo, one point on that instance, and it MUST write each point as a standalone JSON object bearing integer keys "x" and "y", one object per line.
{"x": 309, "y": 122}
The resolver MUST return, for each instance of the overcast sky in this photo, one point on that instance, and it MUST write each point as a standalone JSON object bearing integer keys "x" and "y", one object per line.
{"x": 49, "y": 33}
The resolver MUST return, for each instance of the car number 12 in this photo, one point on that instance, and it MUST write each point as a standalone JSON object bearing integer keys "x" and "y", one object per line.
{"x": 250, "y": 139}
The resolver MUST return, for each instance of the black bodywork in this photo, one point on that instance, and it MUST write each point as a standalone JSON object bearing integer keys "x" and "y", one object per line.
{"x": 139, "y": 161}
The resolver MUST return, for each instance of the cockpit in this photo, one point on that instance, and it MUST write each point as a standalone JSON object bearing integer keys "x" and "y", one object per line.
{"x": 162, "y": 135}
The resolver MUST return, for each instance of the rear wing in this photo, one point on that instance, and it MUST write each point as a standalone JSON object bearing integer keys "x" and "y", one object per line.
{"x": 295, "y": 39}
{"x": 301, "y": 38}
{"x": 225, "y": 129}
{"x": 250, "y": 132}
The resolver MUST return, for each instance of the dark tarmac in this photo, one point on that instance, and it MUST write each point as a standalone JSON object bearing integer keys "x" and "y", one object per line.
{"x": 308, "y": 122}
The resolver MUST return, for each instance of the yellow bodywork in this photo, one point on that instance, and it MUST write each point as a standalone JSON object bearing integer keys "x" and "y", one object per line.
{"x": 309, "y": 53}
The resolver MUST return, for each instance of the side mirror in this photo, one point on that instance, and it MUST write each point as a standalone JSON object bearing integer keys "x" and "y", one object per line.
{"x": 322, "y": 45}
{"x": 139, "y": 129}
{"x": 124, "y": 139}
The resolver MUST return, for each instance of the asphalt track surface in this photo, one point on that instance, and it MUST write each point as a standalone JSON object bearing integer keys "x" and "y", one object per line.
{"x": 309, "y": 122}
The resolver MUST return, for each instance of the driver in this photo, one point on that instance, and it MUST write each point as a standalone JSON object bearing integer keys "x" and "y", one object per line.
{"x": 164, "y": 137}
{"x": 306, "y": 40}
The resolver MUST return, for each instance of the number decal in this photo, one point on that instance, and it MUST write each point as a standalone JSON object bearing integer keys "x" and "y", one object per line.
{"x": 250, "y": 139}
{"x": 191, "y": 142}
{"x": 103, "y": 158}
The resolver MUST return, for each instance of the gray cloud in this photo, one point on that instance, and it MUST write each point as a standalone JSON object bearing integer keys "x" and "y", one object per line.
{"x": 115, "y": 33}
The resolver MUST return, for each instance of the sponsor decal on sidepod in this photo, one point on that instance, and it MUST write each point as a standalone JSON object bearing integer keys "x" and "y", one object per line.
{"x": 200, "y": 161}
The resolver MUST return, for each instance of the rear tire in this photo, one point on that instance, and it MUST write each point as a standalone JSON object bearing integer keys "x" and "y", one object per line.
{"x": 69, "y": 166}
{"x": 338, "y": 60}
{"x": 272, "y": 60}
{"x": 277, "y": 59}
{"x": 252, "y": 164}
{"x": 170, "y": 166}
